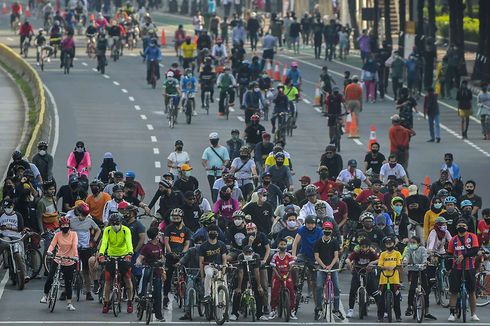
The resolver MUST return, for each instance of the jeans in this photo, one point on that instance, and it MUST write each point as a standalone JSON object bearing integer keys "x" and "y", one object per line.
{"x": 157, "y": 290}
{"x": 254, "y": 38}
{"x": 434, "y": 127}
{"x": 320, "y": 285}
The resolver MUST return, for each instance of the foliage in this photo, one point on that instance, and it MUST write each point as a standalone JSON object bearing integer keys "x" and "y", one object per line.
{"x": 471, "y": 27}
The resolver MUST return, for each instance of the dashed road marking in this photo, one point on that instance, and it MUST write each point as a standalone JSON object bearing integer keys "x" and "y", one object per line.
{"x": 143, "y": 117}
{"x": 137, "y": 108}
{"x": 153, "y": 139}
{"x": 10, "y": 39}
{"x": 158, "y": 165}
{"x": 241, "y": 119}
{"x": 157, "y": 179}
{"x": 107, "y": 76}
{"x": 161, "y": 65}
{"x": 317, "y": 109}
{"x": 150, "y": 127}
{"x": 156, "y": 151}
{"x": 94, "y": 69}
{"x": 124, "y": 90}
{"x": 84, "y": 63}
{"x": 131, "y": 98}
{"x": 115, "y": 83}
{"x": 306, "y": 101}
{"x": 357, "y": 141}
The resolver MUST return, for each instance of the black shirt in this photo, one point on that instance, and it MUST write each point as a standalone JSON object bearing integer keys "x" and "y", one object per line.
{"x": 68, "y": 196}
{"x": 374, "y": 161}
{"x": 167, "y": 203}
{"x": 253, "y": 133}
{"x": 417, "y": 205}
{"x": 212, "y": 253}
{"x": 334, "y": 165}
{"x": 261, "y": 216}
{"x": 235, "y": 236}
{"x": 375, "y": 236}
{"x": 294, "y": 29}
{"x": 191, "y": 216}
{"x": 259, "y": 243}
{"x": 182, "y": 185}
{"x": 136, "y": 228}
{"x": 326, "y": 250}
{"x": 177, "y": 237}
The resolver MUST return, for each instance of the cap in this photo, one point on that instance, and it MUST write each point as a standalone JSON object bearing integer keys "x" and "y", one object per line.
{"x": 185, "y": 167}
{"x": 395, "y": 117}
{"x": 266, "y": 174}
{"x": 107, "y": 155}
{"x": 352, "y": 163}
{"x": 310, "y": 219}
{"x": 118, "y": 174}
{"x": 179, "y": 142}
{"x": 412, "y": 190}
{"x": 305, "y": 178}
{"x": 355, "y": 77}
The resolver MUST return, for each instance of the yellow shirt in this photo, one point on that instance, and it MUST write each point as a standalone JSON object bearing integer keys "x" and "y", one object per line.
{"x": 429, "y": 221}
{"x": 271, "y": 161}
{"x": 188, "y": 50}
{"x": 387, "y": 259}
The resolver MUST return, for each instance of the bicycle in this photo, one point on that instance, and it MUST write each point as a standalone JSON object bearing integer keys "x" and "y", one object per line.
{"x": 218, "y": 304}
{"x": 226, "y": 103}
{"x": 194, "y": 294}
{"x": 284, "y": 305}
{"x": 482, "y": 290}
{"x": 172, "y": 110}
{"x": 32, "y": 255}
{"x": 53, "y": 292}
{"x": 207, "y": 98}
{"x": 291, "y": 121}
{"x": 302, "y": 266}
{"x": 153, "y": 73}
{"x": 248, "y": 303}
{"x": 116, "y": 292}
{"x": 269, "y": 96}
{"x": 362, "y": 296}
{"x": 441, "y": 286}
{"x": 66, "y": 62}
{"x": 25, "y": 46}
{"x": 420, "y": 307}
{"x": 462, "y": 303}
{"x": 78, "y": 280}
{"x": 388, "y": 297}
{"x": 337, "y": 129}
{"x": 115, "y": 49}
{"x": 179, "y": 285}
{"x": 16, "y": 274}
{"x": 91, "y": 51}
{"x": 328, "y": 298}
{"x": 145, "y": 302}
{"x": 282, "y": 127}
{"x": 188, "y": 105}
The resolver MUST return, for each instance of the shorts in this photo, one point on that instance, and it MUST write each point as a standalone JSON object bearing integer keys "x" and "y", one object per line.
{"x": 464, "y": 113}
{"x": 124, "y": 269}
{"x": 294, "y": 39}
{"x": 268, "y": 54}
{"x": 354, "y": 106}
{"x": 455, "y": 281}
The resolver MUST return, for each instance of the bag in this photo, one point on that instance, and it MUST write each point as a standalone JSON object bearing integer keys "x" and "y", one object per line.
{"x": 215, "y": 152}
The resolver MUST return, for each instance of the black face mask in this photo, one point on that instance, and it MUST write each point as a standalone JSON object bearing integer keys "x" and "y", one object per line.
{"x": 368, "y": 226}
{"x": 375, "y": 151}
{"x": 282, "y": 249}
{"x": 214, "y": 142}
{"x": 65, "y": 229}
{"x": 390, "y": 248}
{"x": 178, "y": 148}
{"x": 470, "y": 191}
{"x": 95, "y": 190}
{"x": 279, "y": 163}
{"x": 266, "y": 182}
{"x": 461, "y": 230}
{"x": 225, "y": 196}
{"x": 213, "y": 235}
{"x": 327, "y": 233}
{"x": 74, "y": 187}
{"x": 244, "y": 157}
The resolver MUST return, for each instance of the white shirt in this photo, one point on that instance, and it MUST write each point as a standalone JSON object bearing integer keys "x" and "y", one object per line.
{"x": 398, "y": 171}
{"x": 177, "y": 160}
{"x": 345, "y": 176}
{"x": 205, "y": 206}
{"x": 219, "y": 51}
{"x": 197, "y": 22}
{"x": 309, "y": 209}
{"x": 436, "y": 245}
{"x": 12, "y": 221}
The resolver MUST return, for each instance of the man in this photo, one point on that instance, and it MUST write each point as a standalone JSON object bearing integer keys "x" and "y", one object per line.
{"x": 112, "y": 205}
{"x": 139, "y": 192}
{"x": 118, "y": 177}
{"x": 96, "y": 201}
{"x": 309, "y": 208}
{"x": 168, "y": 199}
{"x": 269, "y": 45}
{"x": 152, "y": 54}
{"x": 253, "y": 27}
{"x": 317, "y": 29}
{"x": 300, "y": 193}
{"x": 464, "y": 248}
{"x": 191, "y": 211}
{"x": 368, "y": 231}
{"x": 400, "y": 140}
{"x": 324, "y": 185}
{"x": 25, "y": 32}
{"x": 227, "y": 83}
{"x": 261, "y": 212}
{"x": 438, "y": 184}
{"x": 70, "y": 193}
{"x": 43, "y": 161}
{"x": 274, "y": 193}
{"x": 476, "y": 200}
{"x": 332, "y": 160}
{"x": 252, "y": 103}
{"x": 353, "y": 98}
{"x": 352, "y": 172}
{"x": 228, "y": 180}
{"x": 392, "y": 168}
{"x": 451, "y": 166}
{"x": 367, "y": 193}
{"x": 234, "y": 144}
{"x": 238, "y": 33}
{"x": 214, "y": 158}
{"x": 254, "y": 130}
{"x": 211, "y": 251}
{"x": 373, "y": 160}
{"x": 339, "y": 208}
{"x": 17, "y": 160}
{"x": 138, "y": 231}
{"x": 186, "y": 182}
{"x": 262, "y": 150}
{"x": 397, "y": 65}
{"x": 47, "y": 210}
{"x": 281, "y": 174}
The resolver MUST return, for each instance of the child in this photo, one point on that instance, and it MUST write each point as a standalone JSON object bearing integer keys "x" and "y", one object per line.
{"x": 390, "y": 264}
{"x": 281, "y": 262}
{"x": 415, "y": 254}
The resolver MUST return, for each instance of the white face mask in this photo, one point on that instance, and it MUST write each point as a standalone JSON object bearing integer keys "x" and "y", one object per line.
{"x": 238, "y": 222}
{"x": 79, "y": 149}
{"x": 291, "y": 224}
{"x": 42, "y": 152}
{"x": 257, "y": 89}
{"x": 116, "y": 228}
{"x": 248, "y": 257}
{"x": 9, "y": 210}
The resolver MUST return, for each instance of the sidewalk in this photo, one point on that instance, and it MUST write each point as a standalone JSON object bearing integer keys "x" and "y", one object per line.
{"x": 12, "y": 116}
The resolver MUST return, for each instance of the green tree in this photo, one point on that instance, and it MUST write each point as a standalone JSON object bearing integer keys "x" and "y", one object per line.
{"x": 481, "y": 70}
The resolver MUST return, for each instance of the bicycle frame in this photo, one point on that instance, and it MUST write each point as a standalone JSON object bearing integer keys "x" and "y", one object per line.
{"x": 328, "y": 298}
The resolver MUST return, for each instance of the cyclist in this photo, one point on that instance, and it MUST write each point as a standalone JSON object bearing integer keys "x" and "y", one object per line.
{"x": 400, "y": 221}
{"x": 177, "y": 158}
{"x": 191, "y": 210}
{"x": 15, "y": 11}
{"x": 295, "y": 75}
{"x": 137, "y": 229}
{"x": 112, "y": 205}
{"x": 435, "y": 210}
{"x": 255, "y": 68}
{"x": 25, "y": 32}
{"x": 152, "y": 252}
{"x": 237, "y": 57}
{"x": 42, "y": 46}
{"x": 226, "y": 83}
{"x": 309, "y": 208}
{"x": 225, "y": 206}
{"x": 68, "y": 46}
{"x": 191, "y": 260}
{"x": 201, "y": 201}
{"x": 452, "y": 213}
{"x": 177, "y": 241}
{"x": 206, "y": 220}
{"x": 55, "y": 34}
{"x": 219, "y": 54}
{"x": 326, "y": 251}
{"x": 243, "y": 277}
{"x": 245, "y": 172}
{"x": 464, "y": 247}
{"x": 334, "y": 103}
{"x": 261, "y": 211}
{"x": 115, "y": 33}
{"x": 362, "y": 257}
{"x": 207, "y": 79}
{"x": 188, "y": 53}
{"x": 281, "y": 264}
{"x": 66, "y": 244}
{"x": 390, "y": 262}
{"x": 368, "y": 231}
{"x": 186, "y": 182}
{"x": 171, "y": 90}
{"x": 281, "y": 105}
{"x": 152, "y": 54}
{"x": 188, "y": 85}
{"x": 101, "y": 49}
{"x": 254, "y": 130}
{"x": 235, "y": 234}
{"x": 83, "y": 224}
{"x": 116, "y": 242}
{"x": 292, "y": 93}
{"x": 175, "y": 69}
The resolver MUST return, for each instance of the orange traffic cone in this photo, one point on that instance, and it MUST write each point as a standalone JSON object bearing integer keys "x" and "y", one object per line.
{"x": 318, "y": 96}
{"x": 269, "y": 69}
{"x": 4, "y": 8}
{"x": 348, "y": 122}
{"x": 28, "y": 11}
{"x": 163, "y": 39}
{"x": 195, "y": 40}
{"x": 372, "y": 137}
{"x": 354, "y": 132}
{"x": 284, "y": 73}
{"x": 426, "y": 186}
{"x": 277, "y": 75}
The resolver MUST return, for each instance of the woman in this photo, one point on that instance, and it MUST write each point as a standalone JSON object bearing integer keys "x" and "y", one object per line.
{"x": 484, "y": 110}
{"x": 66, "y": 255}
{"x": 108, "y": 165}
{"x": 464, "y": 97}
{"x": 245, "y": 172}
{"x": 177, "y": 158}
{"x": 224, "y": 207}
{"x": 431, "y": 215}
{"x": 79, "y": 161}
{"x": 370, "y": 77}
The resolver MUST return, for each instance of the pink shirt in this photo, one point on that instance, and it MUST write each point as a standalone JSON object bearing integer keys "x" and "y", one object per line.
{"x": 67, "y": 246}
{"x": 84, "y": 163}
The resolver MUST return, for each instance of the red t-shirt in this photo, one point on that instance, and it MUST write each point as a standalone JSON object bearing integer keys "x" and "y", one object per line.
{"x": 365, "y": 194}
{"x": 282, "y": 265}
{"x": 483, "y": 230}
{"x": 324, "y": 187}
{"x": 460, "y": 245}
{"x": 339, "y": 210}
{"x": 363, "y": 257}
{"x": 152, "y": 253}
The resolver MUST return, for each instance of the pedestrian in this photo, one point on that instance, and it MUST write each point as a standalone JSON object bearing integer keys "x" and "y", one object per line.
{"x": 412, "y": 71}
{"x": 353, "y": 100}
{"x": 441, "y": 73}
{"x": 484, "y": 110}
{"x": 343, "y": 43}
{"x": 431, "y": 110}
{"x": 287, "y": 25}
{"x": 317, "y": 29}
{"x": 269, "y": 45}
{"x": 464, "y": 97}
{"x": 214, "y": 23}
{"x": 397, "y": 65}
{"x": 383, "y": 71}
{"x": 306, "y": 23}
{"x": 364, "y": 45}
{"x": 369, "y": 77}
{"x": 224, "y": 29}
{"x": 331, "y": 37}
{"x": 454, "y": 64}
{"x": 294, "y": 32}
{"x": 400, "y": 140}
{"x": 198, "y": 22}
{"x": 227, "y": 7}
{"x": 253, "y": 27}
{"x": 276, "y": 28}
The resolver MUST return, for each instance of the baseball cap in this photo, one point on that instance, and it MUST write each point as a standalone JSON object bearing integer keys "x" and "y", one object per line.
{"x": 118, "y": 174}
{"x": 412, "y": 190}
{"x": 305, "y": 178}
{"x": 247, "y": 248}
{"x": 395, "y": 117}
{"x": 352, "y": 163}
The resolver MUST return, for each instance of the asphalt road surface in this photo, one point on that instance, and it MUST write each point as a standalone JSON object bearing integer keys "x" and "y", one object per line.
{"x": 120, "y": 113}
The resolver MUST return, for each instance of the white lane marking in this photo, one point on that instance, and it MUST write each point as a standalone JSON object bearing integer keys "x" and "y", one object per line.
{"x": 3, "y": 283}
{"x": 306, "y": 101}
{"x": 10, "y": 39}
{"x": 107, "y": 76}
{"x": 131, "y": 98}
{"x": 157, "y": 180}
{"x": 317, "y": 109}
{"x": 241, "y": 119}
{"x": 161, "y": 65}
{"x": 94, "y": 69}
{"x": 153, "y": 139}
{"x": 56, "y": 121}
{"x": 156, "y": 151}
{"x": 150, "y": 127}
{"x": 115, "y": 83}
{"x": 159, "y": 112}
{"x": 357, "y": 141}
{"x": 89, "y": 322}
{"x": 232, "y": 110}
{"x": 143, "y": 117}
{"x": 124, "y": 90}
{"x": 158, "y": 165}
{"x": 137, "y": 108}
{"x": 84, "y": 63}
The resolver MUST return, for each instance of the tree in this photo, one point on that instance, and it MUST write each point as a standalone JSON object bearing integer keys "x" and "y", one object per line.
{"x": 353, "y": 19}
{"x": 481, "y": 71}
{"x": 419, "y": 30}
{"x": 402, "y": 8}
{"x": 456, "y": 32}
{"x": 387, "y": 14}
{"x": 430, "y": 48}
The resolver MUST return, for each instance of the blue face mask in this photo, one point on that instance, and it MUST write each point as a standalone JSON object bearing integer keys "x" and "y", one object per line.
{"x": 397, "y": 209}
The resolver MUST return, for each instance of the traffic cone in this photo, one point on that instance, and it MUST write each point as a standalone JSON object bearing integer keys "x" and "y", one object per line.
{"x": 195, "y": 40}
{"x": 163, "y": 39}
{"x": 284, "y": 73}
{"x": 354, "y": 132}
{"x": 4, "y": 8}
{"x": 277, "y": 75}
{"x": 426, "y": 186}
{"x": 348, "y": 122}
{"x": 28, "y": 11}
{"x": 318, "y": 96}
{"x": 269, "y": 69}
{"x": 372, "y": 137}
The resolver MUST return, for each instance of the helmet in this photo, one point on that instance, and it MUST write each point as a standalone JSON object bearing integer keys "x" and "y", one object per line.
{"x": 84, "y": 209}
{"x": 465, "y": 203}
{"x": 117, "y": 187}
{"x": 95, "y": 182}
{"x": 255, "y": 117}
{"x": 327, "y": 225}
{"x": 42, "y": 144}
{"x": 64, "y": 220}
{"x": 396, "y": 200}
{"x": 207, "y": 218}
{"x": 239, "y": 214}
{"x": 290, "y": 195}
{"x": 245, "y": 149}
{"x": 442, "y": 193}
{"x": 16, "y": 155}
{"x": 57, "y": 23}
{"x": 310, "y": 190}
{"x": 235, "y": 131}
{"x": 166, "y": 184}
{"x": 115, "y": 218}
{"x": 213, "y": 135}
{"x": 177, "y": 211}
{"x": 130, "y": 174}
{"x": 366, "y": 215}
{"x": 168, "y": 175}
{"x": 310, "y": 219}
{"x": 170, "y": 74}
{"x": 450, "y": 199}
{"x": 250, "y": 226}
{"x": 185, "y": 167}
{"x": 188, "y": 71}
{"x": 122, "y": 205}
{"x": 279, "y": 155}
{"x": 48, "y": 184}
{"x": 440, "y": 219}
{"x": 294, "y": 64}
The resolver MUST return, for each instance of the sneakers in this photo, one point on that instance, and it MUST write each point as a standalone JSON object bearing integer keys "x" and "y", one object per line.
{"x": 130, "y": 307}
{"x": 48, "y": 59}
{"x": 398, "y": 319}
{"x": 451, "y": 318}
{"x": 263, "y": 318}
{"x": 317, "y": 314}
{"x": 185, "y": 317}
{"x": 474, "y": 317}
{"x": 44, "y": 299}
{"x": 89, "y": 296}
{"x": 350, "y": 313}
{"x": 160, "y": 319}
{"x": 292, "y": 316}
{"x": 338, "y": 314}
{"x": 273, "y": 314}
{"x": 233, "y": 317}
{"x": 409, "y": 312}
{"x": 105, "y": 308}
{"x": 429, "y": 316}
{"x": 70, "y": 307}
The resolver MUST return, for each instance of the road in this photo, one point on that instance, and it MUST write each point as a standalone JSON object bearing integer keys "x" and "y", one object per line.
{"x": 119, "y": 112}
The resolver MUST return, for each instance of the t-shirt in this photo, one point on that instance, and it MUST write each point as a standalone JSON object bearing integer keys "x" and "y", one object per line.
{"x": 460, "y": 246}
{"x": 417, "y": 205}
{"x": 188, "y": 50}
{"x": 177, "y": 237}
{"x": 363, "y": 258}
{"x": 191, "y": 216}
{"x": 259, "y": 243}
{"x": 244, "y": 175}
{"x": 475, "y": 200}
{"x": 483, "y": 233}
{"x": 386, "y": 170}
{"x": 390, "y": 259}
{"x": 152, "y": 253}
{"x": 215, "y": 159}
{"x": 191, "y": 184}
{"x": 177, "y": 160}
{"x": 68, "y": 197}
{"x": 282, "y": 264}
{"x": 326, "y": 250}
{"x": 136, "y": 228}
{"x": 374, "y": 162}
{"x": 82, "y": 228}
{"x": 235, "y": 236}
{"x": 12, "y": 221}
{"x": 212, "y": 253}
{"x": 339, "y": 210}
{"x": 97, "y": 205}
{"x": 288, "y": 235}
{"x": 261, "y": 216}
{"x": 308, "y": 239}
{"x": 345, "y": 175}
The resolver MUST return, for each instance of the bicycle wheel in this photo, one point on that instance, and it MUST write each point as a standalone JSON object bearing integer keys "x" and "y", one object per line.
{"x": 298, "y": 290}
{"x": 78, "y": 283}
{"x": 53, "y": 296}
{"x": 286, "y": 305}
{"x": 253, "y": 309}
{"x": 33, "y": 260}
{"x": 389, "y": 305}
{"x": 419, "y": 307}
{"x": 188, "y": 112}
{"x": 329, "y": 300}
{"x": 445, "y": 294}
{"x": 221, "y": 305}
{"x": 437, "y": 292}
{"x": 149, "y": 311}
{"x": 47, "y": 261}
{"x": 140, "y": 308}
{"x": 192, "y": 302}
{"x": 464, "y": 304}
{"x": 181, "y": 294}
{"x": 115, "y": 302}
{"x": 362, "y": 302}
{"x": 482, "y": 284}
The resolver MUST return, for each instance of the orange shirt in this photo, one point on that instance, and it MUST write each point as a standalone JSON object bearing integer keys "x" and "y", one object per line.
{"x": 67, "y": 246}
{"x": 353, "y": 92}
{"x": 97, "y": 205}
{"x": 399, "y": 138}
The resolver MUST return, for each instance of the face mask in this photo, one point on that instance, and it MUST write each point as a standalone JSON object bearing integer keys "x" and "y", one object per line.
{"x": 282, "y": 249}
{"x": 392, "y": 165}
{"x": 279, "y": 163}
{"x": 235, "y": 137}
{"x": 291, "y": 224}
{"x": 116, "y": 228}
{"x": 450, "y": 209}
{"x": 252, "y": 234}
{"x": 397, "y": 209}
{"x": 178, "y": 148}
{"x": 374, "y": 151}
{"x": 188, "y": 173}
{"x": 79, "y": 149}
{"x": 327, "y": 233}
{"x": 65, "y": 229}
{"x": 248, "y": 257}
{"x": 334, "y": 199}
{"x": 470, "y": 191}
{"x": 438, "y": 205}
{"x": 461, "y": 229}
{"x": 214, "y": 142}
{"x": 226, "y": 196}
{"x": 42, "y": 152}
{"x": 238, "y": 222}
{"x": 443, "y": 228}
{"x": 390, "y": 248}
{"x": 257, "y": 89}
{"x": 95, "y": 190}
{"x": 8, "y": 210}
{"x": 266, "y": 182}
{"x": 368, "y": 225}
{"x": 213, "y": 235}
{"x": 467, "y": 211}
{"x": 413, "y": 246}
{"x": 323, "y": 175}
{"x": 243, "y": 157}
